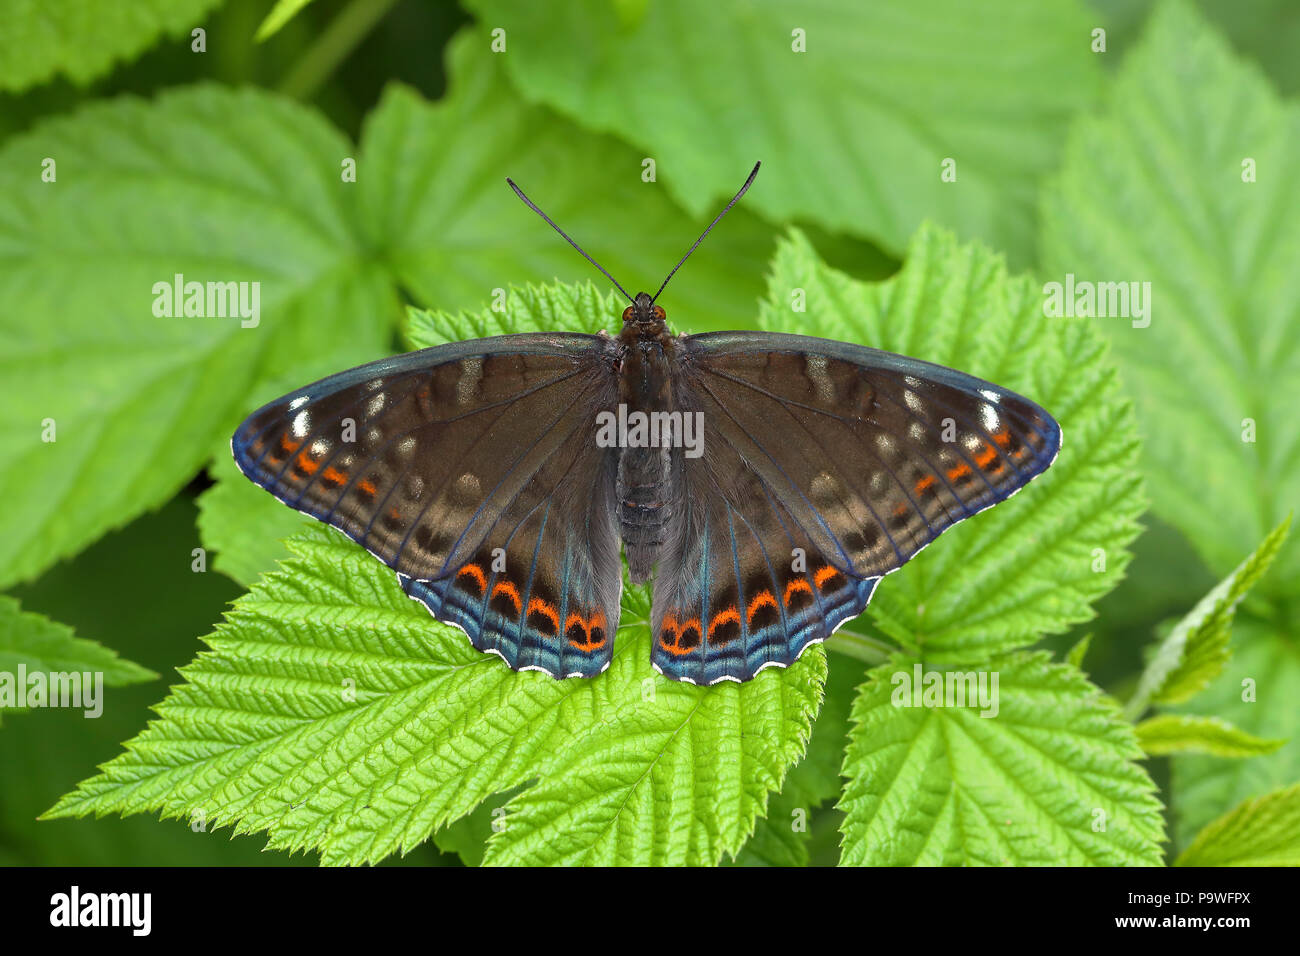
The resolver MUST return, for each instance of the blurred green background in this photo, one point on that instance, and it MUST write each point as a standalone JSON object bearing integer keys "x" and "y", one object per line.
{"x": 583, "y": 93}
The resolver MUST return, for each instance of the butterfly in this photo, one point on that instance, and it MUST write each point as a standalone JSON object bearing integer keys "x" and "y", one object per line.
{"x": 766, "y": 481}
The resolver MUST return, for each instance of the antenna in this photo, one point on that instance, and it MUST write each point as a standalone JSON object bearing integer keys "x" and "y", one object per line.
{"x": 734, "y": 199}
{"x": 531, "y": 205}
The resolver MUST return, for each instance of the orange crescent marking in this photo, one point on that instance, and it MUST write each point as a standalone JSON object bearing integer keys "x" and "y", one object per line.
{"x": 798, "y": 584}
{"x": 334, "y": 476}
{"x": 763, "y": 599}
{"x": 368, "y": 486}
{"x": 1003, "y": 438}
{"x": 475, "y": 572}
{"x": 288, "y": 446}
{"x": 960, "y": 471}
{"x": 924, "y": 483}
{"x": 825, "y": 574}
{"x": 730, "y": 614}
{"x": 508, "y": 589}
{"x": 545, "y": 608}
{"x": 986, "y": 457}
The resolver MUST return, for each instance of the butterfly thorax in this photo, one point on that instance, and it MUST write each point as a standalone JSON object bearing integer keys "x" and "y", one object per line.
{"x": 646, "y": 351}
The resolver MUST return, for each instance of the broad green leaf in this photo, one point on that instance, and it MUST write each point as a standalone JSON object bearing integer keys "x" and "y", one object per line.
{"x": 1260, "y": 832}
{"x": 438, "y": 208}
{"x": 1257, "y": 693}
{"x": 1175, "y": 733}
{"x": 156, "y": 617}
{"x": 1050, "y": 779}
{"x": 1195, "y": 651}
{"x": 1186, "y": 182}
{"x": 40, "y": 645}
{"x": 83, "y": 39}
{"x": 334, "y": 714}
{"x": 853, "y": 131}
{"x": 782, "y": 837}
{"x": 1031, "y": 565}
{"x": 212, "y": 184}
{"x": 1266, "y": 31}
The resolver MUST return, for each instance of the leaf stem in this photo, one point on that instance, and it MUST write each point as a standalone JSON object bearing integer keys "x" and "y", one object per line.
{"x": 333, "y": 46}
{"x": 864, "y": 648}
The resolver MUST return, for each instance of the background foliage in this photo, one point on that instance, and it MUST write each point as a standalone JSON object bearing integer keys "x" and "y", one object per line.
{"x": 1122, "y": 681}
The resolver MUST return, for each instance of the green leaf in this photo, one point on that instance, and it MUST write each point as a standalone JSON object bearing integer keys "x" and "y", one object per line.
{"x": 782, "y": 837}
{"x": 1079, "y": 651}
{"x": 677, "y": 780}
{"x": 82, "y": 39}
{"x": 1174, "y": 733}
{"x": 532, "y": 308}
{"x": 852, "y": 132}
{"x": 37, "y": 644}
{"x": 468, "y": 836}
{"x": 1034, "y": 564}
{"x": 1266, "y": 31}
{"x": 281, "y": 13}
{"x": 438, "y": 208}
{"x": 209, "y": 183}
{"x": 1152, "y": 191}
{"x": 1049, "y": 780}
{"x": 1260, "y": 832}
{"x": 1257, "y": 693}
{"x": 1195, "y": 651}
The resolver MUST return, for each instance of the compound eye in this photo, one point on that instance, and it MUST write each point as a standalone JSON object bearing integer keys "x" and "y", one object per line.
{"x": 659, "y": 313}
{"x": 627, "y": 313}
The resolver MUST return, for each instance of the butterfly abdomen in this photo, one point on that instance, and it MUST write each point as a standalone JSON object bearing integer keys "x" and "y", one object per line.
{"x": 644, "y": 494}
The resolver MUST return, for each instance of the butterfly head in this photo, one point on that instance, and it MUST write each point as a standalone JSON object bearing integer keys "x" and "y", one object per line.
{"x": 643, "y": 316}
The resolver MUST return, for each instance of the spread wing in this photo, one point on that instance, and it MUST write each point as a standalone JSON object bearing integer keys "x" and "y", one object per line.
{"x": 825, "y": 467}
{"x": 471, "y": 470}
